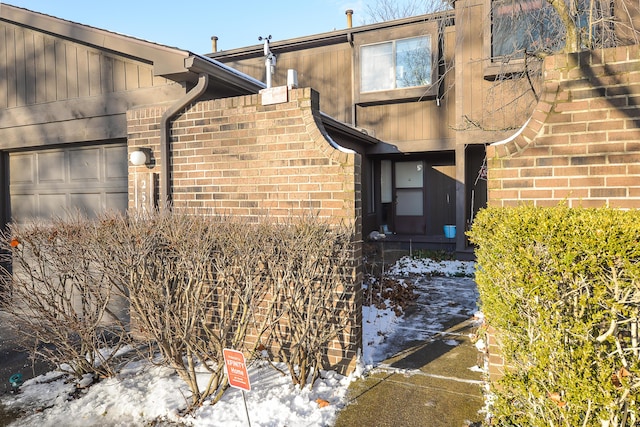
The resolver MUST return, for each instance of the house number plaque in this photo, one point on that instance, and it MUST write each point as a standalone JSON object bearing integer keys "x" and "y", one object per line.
{"x": 144, "y": 191}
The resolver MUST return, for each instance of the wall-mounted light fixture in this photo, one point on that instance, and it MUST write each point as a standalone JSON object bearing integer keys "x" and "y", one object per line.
{"x": 138, "y": 158}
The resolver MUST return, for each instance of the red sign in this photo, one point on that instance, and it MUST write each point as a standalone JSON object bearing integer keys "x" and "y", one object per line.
{"x": 236, "y": 369}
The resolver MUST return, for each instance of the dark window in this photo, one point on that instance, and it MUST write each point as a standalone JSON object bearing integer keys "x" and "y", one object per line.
{"x": 531, "y": 26}
{"x": 524, "y": 25}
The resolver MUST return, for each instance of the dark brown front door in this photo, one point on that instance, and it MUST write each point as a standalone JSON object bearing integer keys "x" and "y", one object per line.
{"x": 409, "y": 197}
{"x": 441, "y": 197}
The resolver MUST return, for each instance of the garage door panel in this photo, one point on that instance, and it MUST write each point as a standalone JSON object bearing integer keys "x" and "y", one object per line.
{"x": 86, "y": 203}
{"x": 55, "y": 182}
{"x": 115, "y": 168}
{"x": 51, "y": 205}
{"x": 116, "y": 201}
{"x": 51, "y": 167}
{"x": 22, "y": 170}
{"x": 84, "y": 165}
{"x": 24, "y": 206}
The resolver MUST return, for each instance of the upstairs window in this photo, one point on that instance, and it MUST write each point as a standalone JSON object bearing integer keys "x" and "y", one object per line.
{"x": 520, "y": 26}
{"x": 397, "y": 64}
{"x": 532, "y": 26}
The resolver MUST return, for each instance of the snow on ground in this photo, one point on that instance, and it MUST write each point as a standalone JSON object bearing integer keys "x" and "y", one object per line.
{"x": 426, "y": 266}
{"x": 142, "y": 392}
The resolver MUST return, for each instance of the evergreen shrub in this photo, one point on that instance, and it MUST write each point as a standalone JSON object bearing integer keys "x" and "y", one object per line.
{"x": 562, "y": 288}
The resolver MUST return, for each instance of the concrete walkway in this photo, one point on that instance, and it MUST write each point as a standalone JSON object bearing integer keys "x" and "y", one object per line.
{"x": 430, "y": 380}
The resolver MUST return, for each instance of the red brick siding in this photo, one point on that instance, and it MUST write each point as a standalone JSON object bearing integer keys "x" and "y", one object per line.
{"x": 582, "y": 143}
{"x": 234, "y": 156}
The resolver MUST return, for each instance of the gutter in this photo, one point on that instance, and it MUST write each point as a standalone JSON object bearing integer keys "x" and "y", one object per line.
{"x": 223, "y": 73}
{"x": 514, "y": 136}
{"x": 165, "y": 139}
{"x": 206, "y": 68}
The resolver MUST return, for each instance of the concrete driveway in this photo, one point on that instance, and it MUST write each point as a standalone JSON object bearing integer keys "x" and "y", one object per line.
{"x": 13, "y": 360}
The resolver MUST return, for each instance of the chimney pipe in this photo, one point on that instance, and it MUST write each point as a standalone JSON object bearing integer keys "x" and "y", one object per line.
{"x": 214, "y": 44}
{"x": 349, "y": 14}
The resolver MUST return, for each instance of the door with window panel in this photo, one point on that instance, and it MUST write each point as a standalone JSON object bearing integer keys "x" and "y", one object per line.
{"x": 410, "y": 198}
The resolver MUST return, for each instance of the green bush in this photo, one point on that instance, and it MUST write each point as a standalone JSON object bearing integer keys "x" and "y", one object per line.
{"x": 562, "y": 288}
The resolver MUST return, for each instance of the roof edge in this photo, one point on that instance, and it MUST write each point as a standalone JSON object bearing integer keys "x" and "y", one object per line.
{"x": 165, "y": 59}
{"x": 201, "y": 64}
{"x": 346, "y": 129}
{"x": 326, "y": 38}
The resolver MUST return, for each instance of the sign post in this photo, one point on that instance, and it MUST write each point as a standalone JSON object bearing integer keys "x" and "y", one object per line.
{"x": 237, "y": 374}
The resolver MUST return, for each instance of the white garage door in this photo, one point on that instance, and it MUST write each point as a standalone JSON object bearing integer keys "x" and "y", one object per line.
{"x": 54, "y": 182}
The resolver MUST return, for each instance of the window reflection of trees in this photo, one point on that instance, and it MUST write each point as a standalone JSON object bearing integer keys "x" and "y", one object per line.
{"x": 396, "y": 64}
{"x": 413, "y": 62}
{"x": 532, "y": 26}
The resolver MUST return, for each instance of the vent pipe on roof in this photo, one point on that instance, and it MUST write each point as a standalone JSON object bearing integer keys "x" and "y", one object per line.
{"x": 349, "y": 14}
{"x": 214, "y": 44}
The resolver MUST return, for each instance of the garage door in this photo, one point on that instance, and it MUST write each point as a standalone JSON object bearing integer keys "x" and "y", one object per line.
{"x": 54, "y": 182}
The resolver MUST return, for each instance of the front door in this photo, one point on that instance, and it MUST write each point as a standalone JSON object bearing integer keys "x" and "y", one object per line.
{"x": 409, "y": 198}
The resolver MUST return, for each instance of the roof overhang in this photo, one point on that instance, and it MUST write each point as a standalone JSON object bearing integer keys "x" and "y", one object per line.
{"x": 222, "y": 74}
{"x": 323, "y": 39}
{"x": 358, "y": 135}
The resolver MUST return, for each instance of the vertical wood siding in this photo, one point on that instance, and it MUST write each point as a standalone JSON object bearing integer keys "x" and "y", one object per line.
{"x": 38, "y": 68}
{"x": 330, "y": 70}
{"x": 325, "y": 69}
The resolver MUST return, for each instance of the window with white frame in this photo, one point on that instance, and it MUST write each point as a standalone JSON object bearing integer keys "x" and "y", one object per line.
{"x": 397, "y": 64}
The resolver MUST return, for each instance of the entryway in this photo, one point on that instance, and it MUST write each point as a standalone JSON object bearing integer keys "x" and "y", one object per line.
{"x": 419, "y": 196}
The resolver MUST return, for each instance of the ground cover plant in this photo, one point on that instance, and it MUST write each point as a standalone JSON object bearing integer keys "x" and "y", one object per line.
{"x": 562, "y": 288}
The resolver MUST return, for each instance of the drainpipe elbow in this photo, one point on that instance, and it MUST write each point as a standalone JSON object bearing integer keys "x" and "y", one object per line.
{"x": 165, "y": 136}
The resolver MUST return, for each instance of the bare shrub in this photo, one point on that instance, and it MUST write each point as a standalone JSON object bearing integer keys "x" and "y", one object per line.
{"x": 314, "y": 273}
{"x": 193, "y": 283}
{"x": 60, "y": 302}
{"x": 198, "y": 285}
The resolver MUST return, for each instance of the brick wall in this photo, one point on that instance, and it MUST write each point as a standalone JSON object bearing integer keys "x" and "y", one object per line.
{"x": 235, "y": 156}
{"x": 582, "y": 144}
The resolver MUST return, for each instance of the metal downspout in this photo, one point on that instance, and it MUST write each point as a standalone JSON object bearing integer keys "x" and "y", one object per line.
{"x": 165, "y": 138}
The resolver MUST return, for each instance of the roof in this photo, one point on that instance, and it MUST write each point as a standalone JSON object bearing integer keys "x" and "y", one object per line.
{"x": 325, "y": 39}
{"x": 170, "y": 62}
